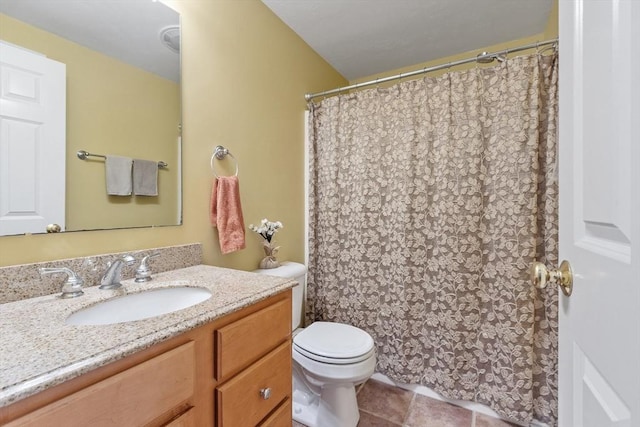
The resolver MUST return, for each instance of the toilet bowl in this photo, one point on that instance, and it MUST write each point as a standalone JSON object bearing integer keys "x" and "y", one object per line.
{"x": 329, "y": 359}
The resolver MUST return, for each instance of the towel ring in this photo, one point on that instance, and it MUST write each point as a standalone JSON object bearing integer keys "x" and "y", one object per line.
{"x": 220, "y": 153}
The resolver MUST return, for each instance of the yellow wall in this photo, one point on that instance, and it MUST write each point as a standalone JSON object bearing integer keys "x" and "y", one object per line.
{"x": 112, "y": 108}
{"x": 551, "y": 32}
{"x": 244, "y": 77}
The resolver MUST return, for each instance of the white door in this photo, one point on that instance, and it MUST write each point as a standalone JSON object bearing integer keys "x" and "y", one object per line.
{"x": 599, "y": 152}
{"x": 32, "y": 141}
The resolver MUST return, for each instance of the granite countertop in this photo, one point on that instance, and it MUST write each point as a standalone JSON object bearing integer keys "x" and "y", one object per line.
{"x": 38, "y": 350}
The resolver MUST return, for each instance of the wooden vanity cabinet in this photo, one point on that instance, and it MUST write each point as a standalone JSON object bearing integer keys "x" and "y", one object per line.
{"x": 215, "y": 375}
{"x": 141, "y": 394}
{"x": 253, "y": 366}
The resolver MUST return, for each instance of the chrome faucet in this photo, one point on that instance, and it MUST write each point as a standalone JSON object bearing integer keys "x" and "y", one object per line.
{"x": 72, "y": 287}
{"x": 113, "y": 275}
{"x": 143, "y": 272}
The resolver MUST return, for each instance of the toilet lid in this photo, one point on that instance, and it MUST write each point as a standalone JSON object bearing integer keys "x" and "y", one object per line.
{"x": 336, "y": 343}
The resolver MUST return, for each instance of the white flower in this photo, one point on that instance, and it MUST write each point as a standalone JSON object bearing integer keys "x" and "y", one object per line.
{"x": 267, "y": 229}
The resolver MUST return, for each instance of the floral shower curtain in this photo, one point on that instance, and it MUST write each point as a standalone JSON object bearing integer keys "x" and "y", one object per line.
{"x": 429, "y": 200}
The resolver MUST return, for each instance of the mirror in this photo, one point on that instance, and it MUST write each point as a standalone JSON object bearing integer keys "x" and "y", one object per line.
{"x": 122, "y": 97}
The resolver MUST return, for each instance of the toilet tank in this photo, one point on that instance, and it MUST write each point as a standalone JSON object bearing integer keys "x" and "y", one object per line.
{"x": 298, "y": 272}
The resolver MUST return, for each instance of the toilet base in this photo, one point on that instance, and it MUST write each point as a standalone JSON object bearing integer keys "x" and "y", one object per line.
{"x": 336, "y": 407}
{"x": 305, "y": 410}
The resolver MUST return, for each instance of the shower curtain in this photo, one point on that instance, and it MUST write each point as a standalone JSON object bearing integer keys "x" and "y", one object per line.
{"x": 429, "y": 200}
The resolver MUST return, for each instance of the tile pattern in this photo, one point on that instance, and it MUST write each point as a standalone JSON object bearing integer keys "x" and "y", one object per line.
{"x": 383, "y": 405}
{"x": 18, "y": 282}
{"x": 485, "y": 421}
{"x": 384, "y": 401}
{"x": 426, "y": 411}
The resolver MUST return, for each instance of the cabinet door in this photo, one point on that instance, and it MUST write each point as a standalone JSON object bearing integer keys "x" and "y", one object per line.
{"x": 281, "y": 417}
{"x": 244, "y": 401}
{"x": 133, "y": 397}
{"x": 246, "y": 340}
{"x": 188, "y": 419}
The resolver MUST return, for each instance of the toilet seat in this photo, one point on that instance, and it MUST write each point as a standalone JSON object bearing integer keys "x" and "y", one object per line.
{"x": 334, "y": 343}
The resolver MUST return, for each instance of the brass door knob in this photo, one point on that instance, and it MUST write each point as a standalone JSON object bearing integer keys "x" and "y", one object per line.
{"x": 53, "y": 228}
{"x": 562, "y": 276}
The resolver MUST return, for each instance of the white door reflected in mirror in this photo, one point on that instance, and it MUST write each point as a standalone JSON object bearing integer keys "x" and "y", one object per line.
{"x": 32, "y": 141}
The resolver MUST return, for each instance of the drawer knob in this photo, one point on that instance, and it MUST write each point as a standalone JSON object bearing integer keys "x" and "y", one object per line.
{"x": 265, "y": 393}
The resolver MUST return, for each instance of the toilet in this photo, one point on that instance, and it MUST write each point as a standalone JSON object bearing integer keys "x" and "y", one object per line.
{"x": 329, "y": 360}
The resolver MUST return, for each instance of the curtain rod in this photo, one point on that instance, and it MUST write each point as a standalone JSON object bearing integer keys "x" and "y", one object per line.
{"x": 483, "y": 58}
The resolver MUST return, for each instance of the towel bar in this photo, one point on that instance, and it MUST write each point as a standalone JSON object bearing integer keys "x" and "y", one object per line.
{"x": 82, "y": 155}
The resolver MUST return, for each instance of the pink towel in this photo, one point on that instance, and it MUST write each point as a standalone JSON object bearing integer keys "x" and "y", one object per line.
{"x": 226, "y": 213}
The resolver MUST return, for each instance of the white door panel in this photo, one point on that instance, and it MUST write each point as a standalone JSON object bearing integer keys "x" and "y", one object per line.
{"x": 32, "y": 141}
{"x": 599, "y": 382}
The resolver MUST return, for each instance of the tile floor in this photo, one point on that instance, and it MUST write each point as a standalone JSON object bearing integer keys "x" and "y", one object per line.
{"x": 383, "y": 405}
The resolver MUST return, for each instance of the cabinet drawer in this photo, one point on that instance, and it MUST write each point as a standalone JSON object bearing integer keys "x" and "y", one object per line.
{"x": 239, "y": 402}
{"x": 133, "y": 397}
{"x": 281, "y": 417}
{"x": 188, "y": 419}
{"x": 246, "y": 340}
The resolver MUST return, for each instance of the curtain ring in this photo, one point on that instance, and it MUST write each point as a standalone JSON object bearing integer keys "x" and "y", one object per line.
{"x": 220, "y": 153}
{"x": 505, "y": 55}
{"x": 399, "y": 85}
{"x": 553, "y": 46}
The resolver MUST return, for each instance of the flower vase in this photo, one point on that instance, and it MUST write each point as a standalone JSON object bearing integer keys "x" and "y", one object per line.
{"x": 270, "y": 250}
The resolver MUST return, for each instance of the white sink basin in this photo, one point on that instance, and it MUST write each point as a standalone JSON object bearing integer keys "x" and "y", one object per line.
{"x": 138, "y": 306}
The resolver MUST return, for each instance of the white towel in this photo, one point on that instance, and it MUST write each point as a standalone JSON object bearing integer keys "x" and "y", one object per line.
{"x": 118, "y": 171}
{"x": 145, "y": 177}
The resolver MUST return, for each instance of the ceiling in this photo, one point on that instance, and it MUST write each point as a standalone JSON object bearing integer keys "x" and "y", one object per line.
{"x": 364, "y": 37}
{"x": 127, "y": 30}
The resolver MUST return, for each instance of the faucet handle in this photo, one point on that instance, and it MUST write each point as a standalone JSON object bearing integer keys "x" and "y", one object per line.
{"x": 143, "y": 272}
{"x": 111, "y": 278}
{"x": 72, "y": 287}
